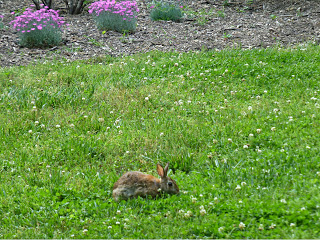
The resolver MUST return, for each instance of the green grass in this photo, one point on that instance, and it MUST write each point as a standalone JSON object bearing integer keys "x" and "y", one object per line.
{"x": 68, "y": 131}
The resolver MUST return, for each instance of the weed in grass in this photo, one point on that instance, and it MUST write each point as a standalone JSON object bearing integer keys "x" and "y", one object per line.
{"x": 240, "y": 128}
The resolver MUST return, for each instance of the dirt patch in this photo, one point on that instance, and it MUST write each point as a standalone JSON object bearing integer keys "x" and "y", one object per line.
{"x": 210, "y": 24}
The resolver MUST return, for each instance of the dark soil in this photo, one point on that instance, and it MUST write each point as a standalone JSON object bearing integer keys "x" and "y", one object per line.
{"x": 261, "y": 23}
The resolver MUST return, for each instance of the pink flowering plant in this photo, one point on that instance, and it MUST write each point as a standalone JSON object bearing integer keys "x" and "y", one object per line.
{"x": 168, "y": 10}
{"x": 41, "y": 28}
{"x": 117, "y": 16}
{"x": 1, "y": 23}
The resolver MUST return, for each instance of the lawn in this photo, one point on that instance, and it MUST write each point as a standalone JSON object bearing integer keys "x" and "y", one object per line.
{"x": 240, "y": 129}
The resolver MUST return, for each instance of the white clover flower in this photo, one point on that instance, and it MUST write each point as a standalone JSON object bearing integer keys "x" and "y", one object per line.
{"x": 265, "y": 91}
{"x": 258, "y": 130}
{"x": 176, "y": 64}
{"x": 200, "y": 195}
{"x": 161, "y": 134}
{"x": 193, "y": 200}
{"x": 71, "y": 125}
{"x": 283, "y": 201}
{"x": 273, "y": 129}
{"x": 72, "y": 235}
{"x": 216, "y": 200}
{"x": 146, "y": 98}
{"x": 101, "y": 119}
{"x": 109, "y": 227}
{"x": 203, "y": 212}
{"x": 240, "y": 201}
{"x": 249, "y": 108}
{"x": 229, "y": 140}
{"x": 58, "y": 126}
{"x": 242, "y": 225}
{"x": 215, "y": 141}
{"x": 272, "y": 226}
{"x": 188, "y": 214}
{"x": 238, "y": 188}
{"x": 303, "y": 209}
{"x": 85, "y": 230}
{"x": 118, "y": 212}
{"x": 292, "y": 225}
{"x": 243, "y": 183}
{"x": 201, "y": 207}
{"x": 30, "y": 131}
{"x": 220, "y": 229}
{"x": 318, "y": 173}
{"x": 261, "y": 227}
{"x": 245, "y": 146}
{"x": 36, "y": 122}
{"x": 85, "y": 116}
{"x": 250, "y": 135}
{"x": 307, "y": 147}
{"x": 118, "y": 223}
{"x": 181, "y": 211}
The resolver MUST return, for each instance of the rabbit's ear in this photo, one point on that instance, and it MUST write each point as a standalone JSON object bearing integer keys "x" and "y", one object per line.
{"x": 166, "y": 169}
{"x": 160, "y": 170}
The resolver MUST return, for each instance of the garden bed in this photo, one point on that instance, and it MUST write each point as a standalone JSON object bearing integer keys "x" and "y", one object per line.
{"x": 208, "y": 25}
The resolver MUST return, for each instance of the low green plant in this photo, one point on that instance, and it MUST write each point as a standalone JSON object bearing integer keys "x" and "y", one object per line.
{"x": 117, "y": 16}
{"x": 166, "y": 10}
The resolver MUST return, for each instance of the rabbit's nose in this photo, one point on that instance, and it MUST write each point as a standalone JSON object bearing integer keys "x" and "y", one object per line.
{"x": 170, "y": 184}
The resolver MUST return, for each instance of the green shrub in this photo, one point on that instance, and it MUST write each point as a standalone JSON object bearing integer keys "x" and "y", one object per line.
{"x": 166, "y": 11}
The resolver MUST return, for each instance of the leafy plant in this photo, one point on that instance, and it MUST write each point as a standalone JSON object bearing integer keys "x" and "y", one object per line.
{"x": 117, "y": 16}
{"x": 166, "y": 10}
{"x": 40, "y": 28}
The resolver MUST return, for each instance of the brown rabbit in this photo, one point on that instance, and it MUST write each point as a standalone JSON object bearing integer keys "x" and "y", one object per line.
{"x": 134, "y": 184}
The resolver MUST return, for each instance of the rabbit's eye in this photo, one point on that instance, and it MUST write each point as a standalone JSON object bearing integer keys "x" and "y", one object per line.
{"x": 170, "y": 184}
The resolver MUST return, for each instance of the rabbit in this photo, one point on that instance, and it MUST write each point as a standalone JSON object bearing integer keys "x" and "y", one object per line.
{"x": 134, "y": 184}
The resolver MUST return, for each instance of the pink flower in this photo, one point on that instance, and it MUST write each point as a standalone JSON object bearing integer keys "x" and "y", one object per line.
{"x": 152, "y": 6}
{"x": 39, "y": 27}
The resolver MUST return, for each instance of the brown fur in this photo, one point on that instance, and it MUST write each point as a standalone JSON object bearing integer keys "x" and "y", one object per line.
{"x": 134, "y": 184}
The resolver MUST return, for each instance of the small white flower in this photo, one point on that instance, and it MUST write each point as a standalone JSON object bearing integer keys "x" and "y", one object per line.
{"x": 229, "y": 140}
{"x": 303, "y": 209}
{"x": 146, "y": 98}
{"x": 203, "y": 212}
{"x": 118, "y": 212}
{"x": 250, "y": 135}
{"x": 58, "y": 126}
{"x": 307, "y": 147}
{"x": 200, "y": 195}
{"x": 242, "y": 225}
{"x": 238, "y": 188}
{"x": 42, "y": 125}
{"x": 109, "y": 227}
{"x": 240, "y": 201}
{"x": 83, "y": 98}
{"x": 36, "y": 122}
{"x": 101, "y": 119}
{"x": 30, "y": 131}
{"x": 193, "y": 200}
{"x": 249, "y": 108}
{"x": 72, "y": 235}
{"x": 118, "y": 223}
{"x": 272, "y": 226}
{"x": 258, "y": 130}
{"x": 283, "y": 201}
{"x": 243, "y": 184}
{"x": 85, "y": 116}
{"x": 161, "y": 134}
{"x": 201, "y": 207}
{"x": 220, "y": 229}
{"x": 261, "y": 227}
{"x": 273, "y": 129}
{"x": 245, "y": 146}
{"x": 85, "y": 230}
{"x": 265, "y": 91}
{"x": 292, "y": 225}
{"x": 318, "y": 173}
{"x": 176, "y": 64}
{"x": 216, "y": 200}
